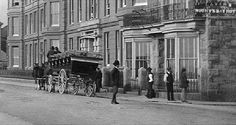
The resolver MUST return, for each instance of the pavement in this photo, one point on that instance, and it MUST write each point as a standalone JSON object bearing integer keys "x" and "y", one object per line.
{"x": 132, "y": 96}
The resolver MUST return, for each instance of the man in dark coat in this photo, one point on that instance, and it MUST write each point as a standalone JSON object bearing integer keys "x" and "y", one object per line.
{"x": 50, "y": 52}
{"x": 115, "y": 79}
{"x": 98, "y": 79}
{"x": 183, "y": 84}
{"x": 169, "y": 80}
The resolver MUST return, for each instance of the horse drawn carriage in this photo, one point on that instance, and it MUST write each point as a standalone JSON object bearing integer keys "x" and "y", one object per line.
{"x": 72, "y": 72}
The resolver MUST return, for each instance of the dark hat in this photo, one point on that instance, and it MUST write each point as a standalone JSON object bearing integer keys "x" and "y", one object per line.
{"x": 169, "y": 68}
{"x": 116, "y": 63}
{"x": 149, "y": 69}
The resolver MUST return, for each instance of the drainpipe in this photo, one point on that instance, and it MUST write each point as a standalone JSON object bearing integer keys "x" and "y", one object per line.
{"x": 38, "y": 31}
{"x": 22, "y": 35}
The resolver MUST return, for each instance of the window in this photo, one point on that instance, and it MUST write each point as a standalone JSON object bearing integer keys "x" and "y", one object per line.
{"x": 71, "y": 44}
{"x": 92, "y": 9}
{"x": 26, "y": 24}
{"x": 106, "y": 47}
{"x": 96, "y": 45}
{"x": 137, "y": 55}
{"x": 88, "y": 44}
{"x": 44, "y": 50}
{"x": 78, "y": 43}
{"x": 36, "y": 52}
{"x": 26, "y": 55}
{"x": 121, "y": 3}
{"x": 15, "y": 2}
{"x": 107, "y": 8}
{"x": 139, "y": 2}
{"x": 41, "y": 19}
{"x": 71, "y": 11}
{"x": 30, "y": 56}
{"x": 54, "y": 13}
{"x": 15, "y": 26}
{"x": 26, "y": 2}
{"x": 30, "y": 23}
{"x": 116, "y": 43}
{"x": 182, "y": 53}
{"x": 41, "y": 52}
{"x": 188, "y": 56}
{"x": 16, "y": 56}
{"x": 35, "y": 22}
{"x": 44, "y": 14}
{"x": 79, "y": 16}
{"x": 170, "y": 53}
{"x": 142, "y": 55}
{"x": 128, "y": 47}
{"x": 55, "y": 43}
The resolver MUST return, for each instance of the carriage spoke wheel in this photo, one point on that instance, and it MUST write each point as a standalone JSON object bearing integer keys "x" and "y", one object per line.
{"x": 76, "y": 90}
{"x": 50, "y": 86}
{"x": 62, "y": 80}
{"x": 89, "y": 92}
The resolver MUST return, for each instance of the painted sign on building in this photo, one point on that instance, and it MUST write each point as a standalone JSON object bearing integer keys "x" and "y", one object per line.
{"x": 215, "y": 8}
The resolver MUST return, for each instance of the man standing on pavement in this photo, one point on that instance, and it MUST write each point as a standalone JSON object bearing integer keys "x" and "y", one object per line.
{"x": 169, "y": 79}
{"x": 115, "y": 79}
{"x": 183, "y": 84}
{"x": 98, "y": 79}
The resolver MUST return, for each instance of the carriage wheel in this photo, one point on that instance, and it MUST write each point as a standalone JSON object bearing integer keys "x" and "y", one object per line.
{"x": 62, "y": 80}
{"x": 50, "y": 85}
{"x": 89, "y": 92}
{"x": 76, "y": 90}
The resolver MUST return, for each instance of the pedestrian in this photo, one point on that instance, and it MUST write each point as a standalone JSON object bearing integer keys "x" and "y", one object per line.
{"x": 183, "y": 84}
{"x": 35, "y": 73}
{"x": 57, "y": 50}
{"x": 150, "y": 91}
{"x": 115, "y": 79}
{"x": 98, "y": 79}
{"x": 169, "y": 80}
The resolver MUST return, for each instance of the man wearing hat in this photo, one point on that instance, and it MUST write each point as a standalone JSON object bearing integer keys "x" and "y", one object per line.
{"x": 169, "y": 79}
{"x": 115, "y": 78}
{"x": 150, "y": 92}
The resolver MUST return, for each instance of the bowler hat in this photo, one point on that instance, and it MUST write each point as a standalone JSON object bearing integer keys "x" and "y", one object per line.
{"x": 116, "y": 63}
{"x": 149, "y": 69}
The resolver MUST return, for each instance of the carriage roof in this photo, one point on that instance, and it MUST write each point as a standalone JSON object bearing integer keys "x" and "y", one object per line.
{"x": 82, "y": 56}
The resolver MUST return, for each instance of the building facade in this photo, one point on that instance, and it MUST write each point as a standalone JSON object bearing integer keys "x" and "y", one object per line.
{"x": 83, "y": 25}
{"x": 193, "y": 34}
{"x": 3, "y": 41}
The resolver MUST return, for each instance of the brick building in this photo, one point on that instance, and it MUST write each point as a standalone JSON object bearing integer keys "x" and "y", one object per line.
{"x": 195, "y": 34}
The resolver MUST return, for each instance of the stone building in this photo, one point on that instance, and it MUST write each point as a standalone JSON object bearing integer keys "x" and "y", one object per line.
{"x": 195, "y": 34}
{"x": 3, "y": 41}
{"x": 84, "y": 25}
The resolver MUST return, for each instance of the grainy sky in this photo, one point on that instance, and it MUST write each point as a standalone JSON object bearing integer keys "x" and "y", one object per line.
{"x": 3, "y": 12}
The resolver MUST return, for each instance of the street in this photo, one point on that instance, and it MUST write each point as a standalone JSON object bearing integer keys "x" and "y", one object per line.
{"x": 22, "y": 105}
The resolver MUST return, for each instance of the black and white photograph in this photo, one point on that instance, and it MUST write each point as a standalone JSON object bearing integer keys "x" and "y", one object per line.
{"x": 117, "y": 62}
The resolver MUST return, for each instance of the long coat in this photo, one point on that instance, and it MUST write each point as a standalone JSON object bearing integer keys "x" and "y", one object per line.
{"x": 115, "y": 77}
{"x": 183, "y": 80}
